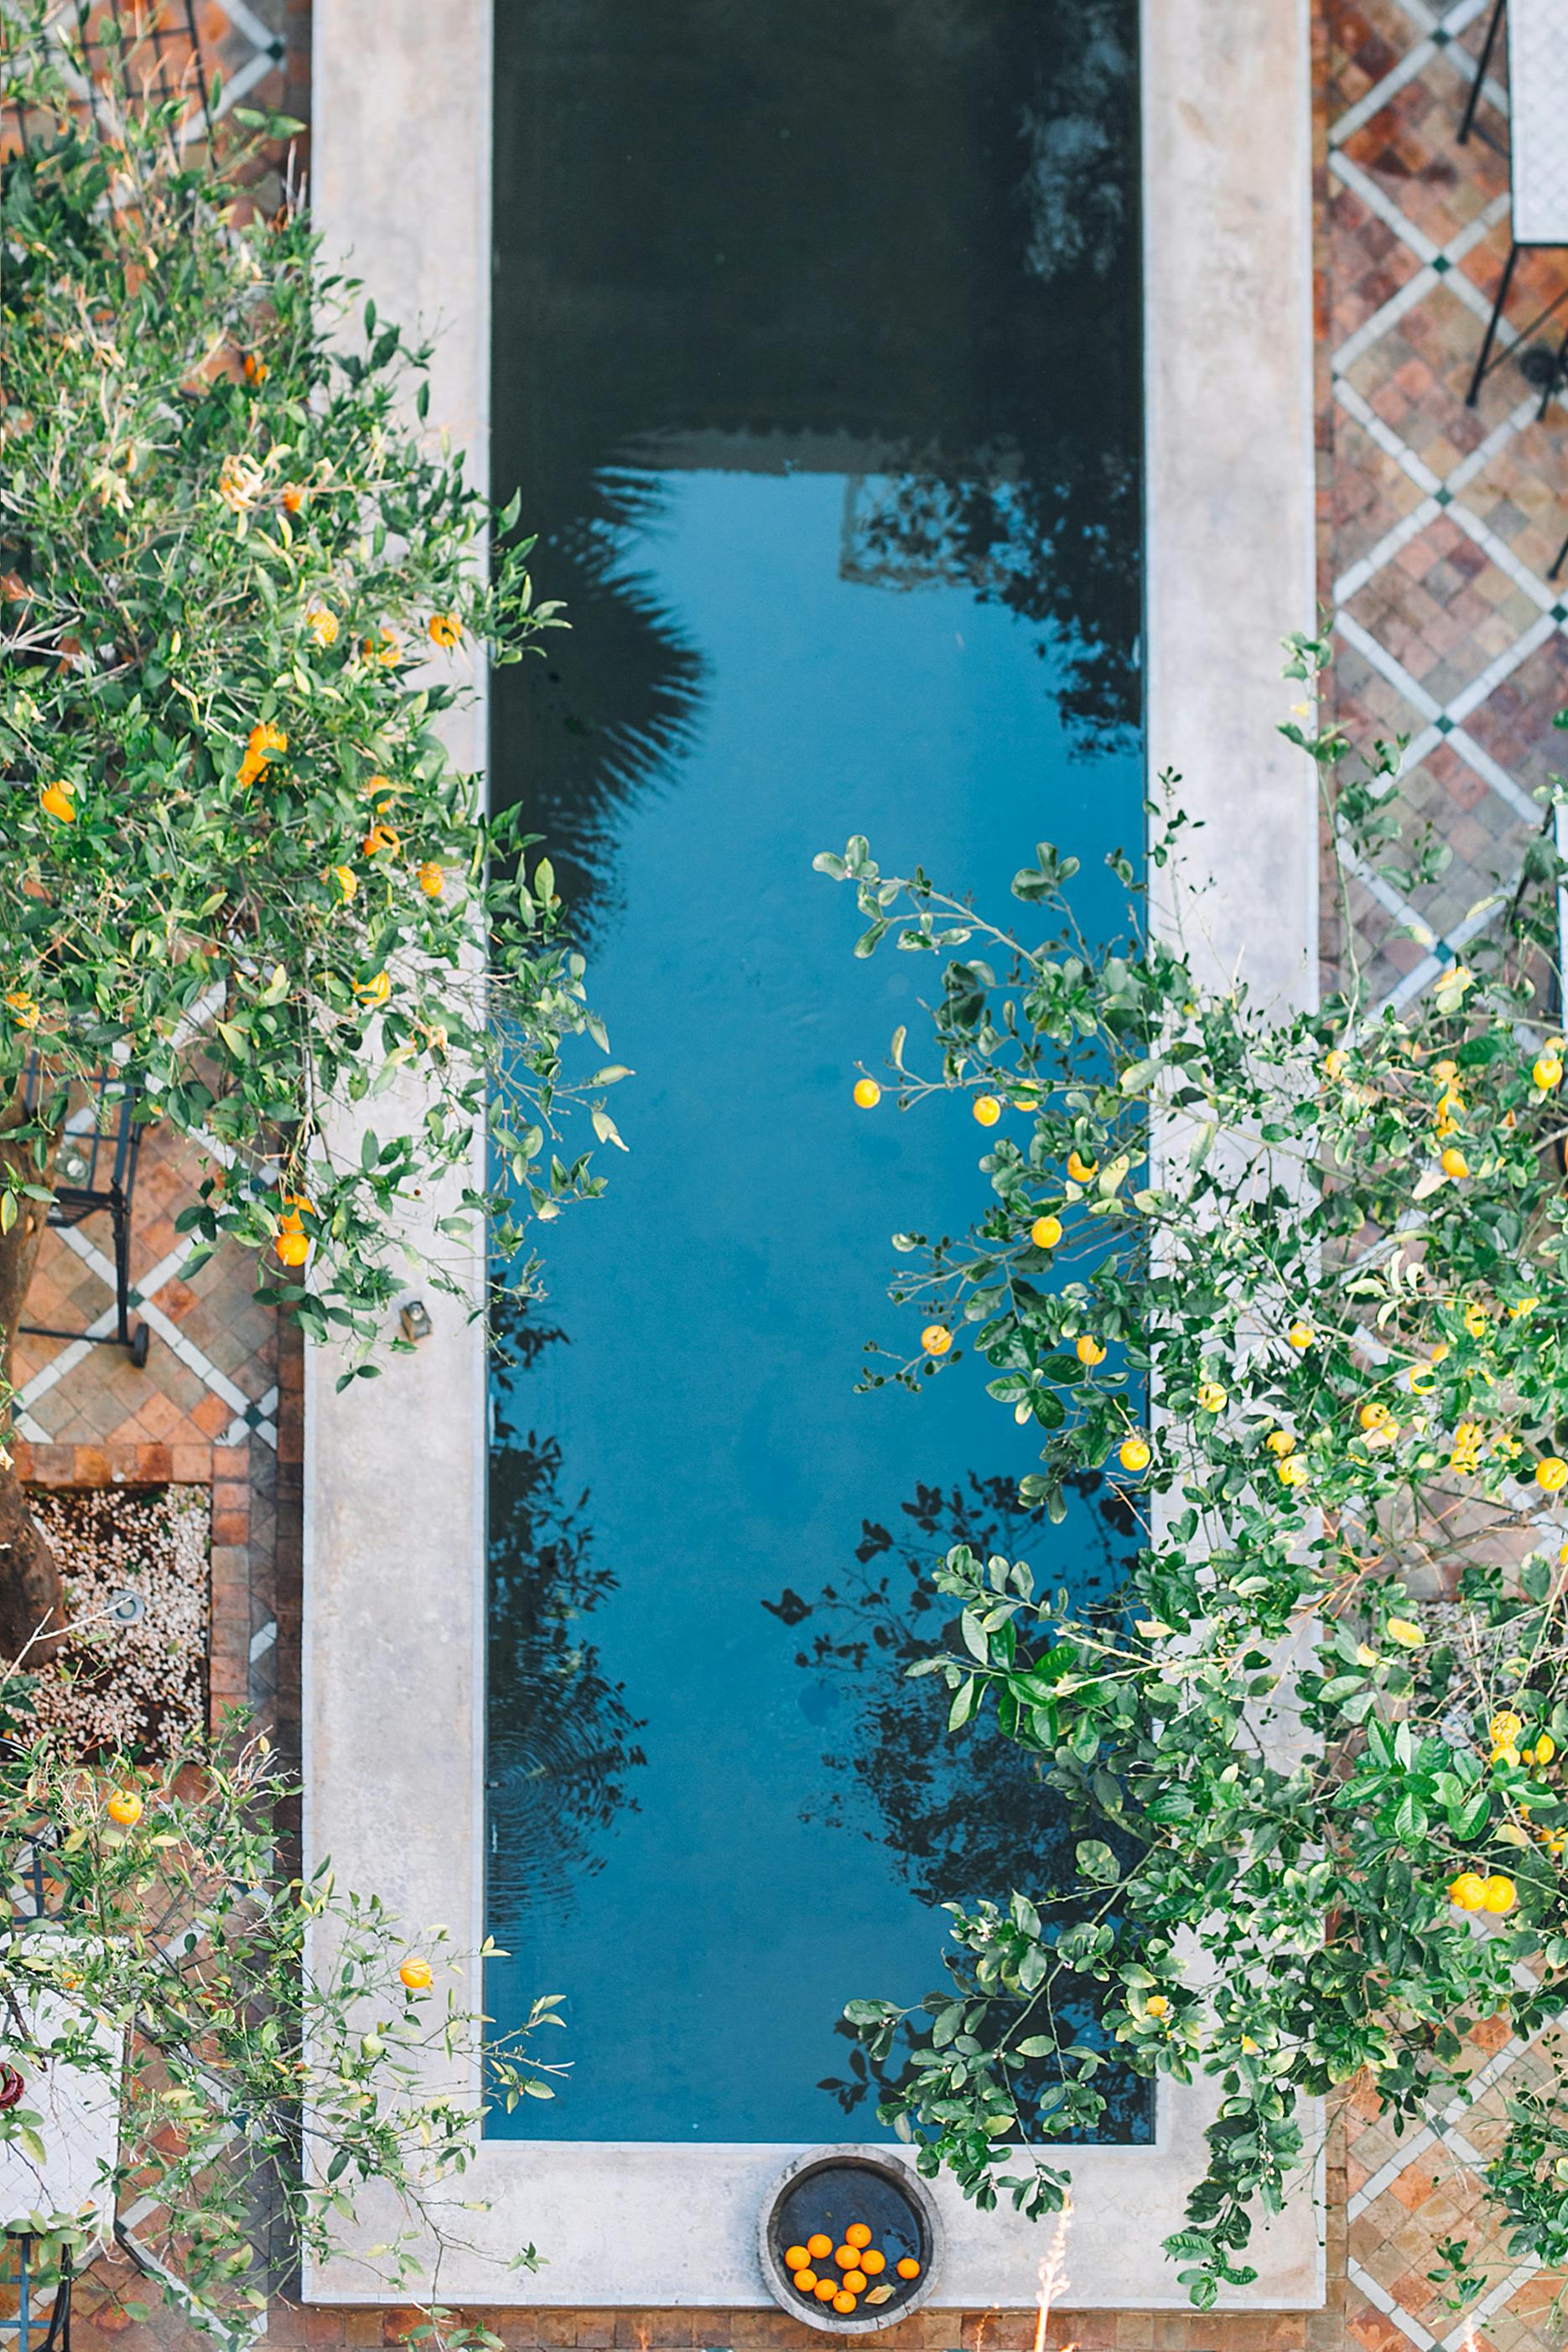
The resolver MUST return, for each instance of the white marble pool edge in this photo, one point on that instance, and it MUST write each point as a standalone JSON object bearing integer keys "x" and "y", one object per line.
{"x": 394, "y": 1599}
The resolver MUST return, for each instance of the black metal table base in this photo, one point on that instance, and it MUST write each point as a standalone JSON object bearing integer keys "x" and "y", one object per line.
{"x": 1474, "y": 100}
{"x": 1551, "y": 376}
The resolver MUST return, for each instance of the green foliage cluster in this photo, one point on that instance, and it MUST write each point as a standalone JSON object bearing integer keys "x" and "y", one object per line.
{"x": 240, "y": 585}
{"x": 264, "y": 2054}
{"x": 1307, "y": 1309}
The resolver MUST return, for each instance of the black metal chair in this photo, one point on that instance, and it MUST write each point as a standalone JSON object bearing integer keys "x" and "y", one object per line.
{"x": 95, "y": 1171}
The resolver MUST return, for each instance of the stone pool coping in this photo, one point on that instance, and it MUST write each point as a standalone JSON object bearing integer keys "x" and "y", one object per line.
{"x": 393, "y": 1649}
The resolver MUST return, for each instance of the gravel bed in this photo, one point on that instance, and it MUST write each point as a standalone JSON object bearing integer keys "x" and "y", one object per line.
{"x": 141, "y": 1687}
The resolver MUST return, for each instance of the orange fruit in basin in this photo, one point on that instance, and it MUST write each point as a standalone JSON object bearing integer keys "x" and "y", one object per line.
{"x": 805, "y": 2280}
{"x": 871, "y": 2261}
{"x": 857, "y": 2234}
{"x": 854, "y": 2282}
{"x": 818, "y": 2246}
{"x": 826, "y": 2289}
{"x": 908, "y": 2268}
{"x": 796, "y": 2257}
{"x": 846, "y": 2257}
{"x": 844, "y": 2302}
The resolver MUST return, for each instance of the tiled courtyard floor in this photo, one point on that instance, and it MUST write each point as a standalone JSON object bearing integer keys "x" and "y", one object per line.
{"x": 1437, "y": 525}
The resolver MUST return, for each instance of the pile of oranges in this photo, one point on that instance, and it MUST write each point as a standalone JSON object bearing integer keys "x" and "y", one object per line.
{"x": 858, "y": 2270}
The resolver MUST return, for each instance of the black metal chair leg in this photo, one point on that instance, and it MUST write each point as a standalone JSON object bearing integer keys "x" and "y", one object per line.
{"x": 122, "y": 1274}
{"x": 1553, "y": 380}
{"x": 1474, "y": 98}
{"x": 136, "y": 1340}
{"x": 1482, "y": 364}
{"x": 59, "y": 2339}
{"x": 1561, "y": 557}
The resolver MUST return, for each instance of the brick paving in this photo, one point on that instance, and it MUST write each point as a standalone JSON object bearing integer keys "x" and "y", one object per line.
{"x": 1437, "y": 523}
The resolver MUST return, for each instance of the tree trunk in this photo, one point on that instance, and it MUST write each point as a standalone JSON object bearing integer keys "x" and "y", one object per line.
{"x": 32, "y": 1598}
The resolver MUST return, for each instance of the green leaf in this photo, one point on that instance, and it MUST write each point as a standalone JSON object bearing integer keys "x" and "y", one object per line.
{"x": 1096, "y": 1862}
{"x": 964, "y": 1699}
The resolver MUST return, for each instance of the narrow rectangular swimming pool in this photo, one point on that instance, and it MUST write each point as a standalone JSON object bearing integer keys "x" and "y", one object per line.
{"x": 818, "y": 361}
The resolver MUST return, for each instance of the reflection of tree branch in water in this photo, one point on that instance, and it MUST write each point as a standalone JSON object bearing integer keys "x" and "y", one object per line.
{"x": 964, "y": 1815}
{"x": 563, "y": 1740}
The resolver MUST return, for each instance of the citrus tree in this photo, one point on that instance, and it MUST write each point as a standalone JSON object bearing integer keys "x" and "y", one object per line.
{"x": 263, "y": 2049}
{"x": 1297, "y": 1286}
{"x": 241, "y": 586}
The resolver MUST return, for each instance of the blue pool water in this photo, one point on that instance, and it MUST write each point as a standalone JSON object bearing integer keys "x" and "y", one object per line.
{"x": 830, "y": 427}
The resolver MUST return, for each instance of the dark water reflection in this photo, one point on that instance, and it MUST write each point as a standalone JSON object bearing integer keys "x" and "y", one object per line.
{"x": 817, "y": 363}
{"x": 564, "y": 1751}
{"x": 889, "y": 240}
{"x": 959, "y": 1818}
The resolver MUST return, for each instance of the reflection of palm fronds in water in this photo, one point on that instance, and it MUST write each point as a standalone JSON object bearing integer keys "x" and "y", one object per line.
{"x": 613, "y": 707}
{"x": 563, "y": 1738}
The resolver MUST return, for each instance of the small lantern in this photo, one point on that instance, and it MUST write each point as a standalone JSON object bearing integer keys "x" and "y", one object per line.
{"x": 413, "y": 1321}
